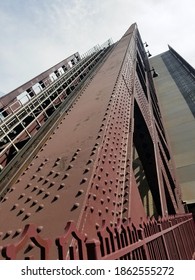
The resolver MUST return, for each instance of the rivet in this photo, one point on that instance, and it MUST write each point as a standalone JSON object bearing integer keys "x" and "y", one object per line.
{"x": 73, "y": 158}
{"x": 56, "y": 197}
{"x": 8, "y": 233}
{"x": 12, "y": 189}
{"x": 41, "y": 178}
{"x": 21, "y": 196}
{"x": 79, "y": 193}
{"x": 28, "y": 199}
{"x": 40, "y": 207}
{"x": 51, "y": 172}
{"x": 20, "y": 212}
{"x": 46, "y": 195}
{"x": 75, "y": 206}
{"x": 46, "y": 181}
{"x": 4, "y": 199}
{"x": 14, "y": 207}
{"x": 34, "y": 189}
{"x": 40, "y": 191}
{"x": 61, "y": 186}
{"x": 39, "y": 229}
{"x": 99, "y": 212}
{"x": 86, "y": 170}
{"x": 34, "y": 203}
{"x": 83, "y": 180}
{"x": 66, "y": 176}
{"x": 97, "y": 226}
{"x": 17, "y": 232}
{"x": 26, "y": 216}
{"x": 69, "y": 167}
{"x": 75, "y": 154}
{"x": 57, "y": 174}
{"x": 126, "y": 193}
{"x": 51, "y": 184}
{"x": 28, "y": 185}
{"x": 89, "y": 161}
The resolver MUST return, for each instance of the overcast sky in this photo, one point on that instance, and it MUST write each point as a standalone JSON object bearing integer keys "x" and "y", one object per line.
{"x": 36, "y": 34}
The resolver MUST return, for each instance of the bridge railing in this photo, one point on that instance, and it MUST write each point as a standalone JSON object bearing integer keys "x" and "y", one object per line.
{"x": 169, "y": 238}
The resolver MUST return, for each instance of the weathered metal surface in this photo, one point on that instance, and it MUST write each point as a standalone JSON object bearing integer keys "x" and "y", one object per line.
{"x": 86, "y": 170}
{"x": 54, "y": 185}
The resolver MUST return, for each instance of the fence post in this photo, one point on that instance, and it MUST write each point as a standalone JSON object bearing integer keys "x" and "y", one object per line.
{"x": 145, "y": 248}
{"x": 164, "y": 242}
{"x": 93, "y": 249}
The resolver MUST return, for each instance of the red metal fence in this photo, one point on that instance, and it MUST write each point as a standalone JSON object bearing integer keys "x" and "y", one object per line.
{"x": 169, "y": 238}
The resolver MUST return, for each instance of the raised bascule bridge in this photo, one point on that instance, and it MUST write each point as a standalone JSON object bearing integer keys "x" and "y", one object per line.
{"x": 86, "y": 166}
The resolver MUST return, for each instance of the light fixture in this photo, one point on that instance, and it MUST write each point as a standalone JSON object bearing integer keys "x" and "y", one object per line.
{"x": 148, "y": 53}
{"x": 155, "y": 74}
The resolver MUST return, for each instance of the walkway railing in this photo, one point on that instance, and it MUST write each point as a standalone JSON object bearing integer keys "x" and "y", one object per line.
{"x": 170, "y": 238}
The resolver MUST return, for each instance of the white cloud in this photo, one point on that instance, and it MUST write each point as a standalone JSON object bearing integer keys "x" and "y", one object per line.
{"x": 37, "y": 34}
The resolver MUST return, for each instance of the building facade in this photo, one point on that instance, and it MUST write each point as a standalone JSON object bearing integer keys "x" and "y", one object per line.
{"x": 175, "y": 88}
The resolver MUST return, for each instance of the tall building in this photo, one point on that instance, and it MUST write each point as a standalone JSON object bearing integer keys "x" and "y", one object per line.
{"x": 83, "y": 147}
{"x": 175, "y": 88}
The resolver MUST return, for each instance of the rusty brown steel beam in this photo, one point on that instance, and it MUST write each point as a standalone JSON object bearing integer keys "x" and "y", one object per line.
{"x": 102, "y": 164}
